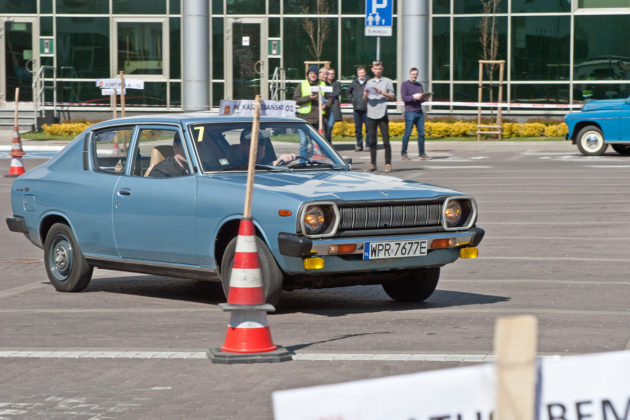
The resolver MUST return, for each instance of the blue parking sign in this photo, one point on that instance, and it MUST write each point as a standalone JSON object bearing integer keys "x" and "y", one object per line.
{"x": 378, "y": 17}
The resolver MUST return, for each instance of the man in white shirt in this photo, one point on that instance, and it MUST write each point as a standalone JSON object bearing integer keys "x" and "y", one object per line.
{"x": 378, "y": 91}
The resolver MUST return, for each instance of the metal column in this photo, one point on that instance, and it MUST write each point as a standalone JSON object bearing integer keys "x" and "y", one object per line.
{"x": 414, "y": 16}
{"x": 196, "y": 80}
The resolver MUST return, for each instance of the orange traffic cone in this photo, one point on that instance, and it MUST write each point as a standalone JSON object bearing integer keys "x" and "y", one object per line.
{"x": 115, "y": 148}
{"x": 17, "y": 168}
{"x": 248, "y": 338}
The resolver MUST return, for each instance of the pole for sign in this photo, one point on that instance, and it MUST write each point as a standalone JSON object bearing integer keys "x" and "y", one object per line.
{"x": 251, "y": 167}
{"x": 112, "y": 100}
{"x": 515, "y": 346}
{"x": 17, "y": 97}
{"x": 122, "y": 93}
{"x": 378, "y": 48}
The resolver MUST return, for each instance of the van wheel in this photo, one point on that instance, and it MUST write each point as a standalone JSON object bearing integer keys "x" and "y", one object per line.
{"x": 415, "y": 286}
{"x": 66, "y": 266}
{"x": 590, "y": 141}
{"x": 272, "y": 276}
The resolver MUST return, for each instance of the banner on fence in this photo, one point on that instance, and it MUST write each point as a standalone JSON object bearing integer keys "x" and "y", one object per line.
{"x": 593, "y": 387}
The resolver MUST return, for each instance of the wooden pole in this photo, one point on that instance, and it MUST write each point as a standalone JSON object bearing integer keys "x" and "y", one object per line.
{"x": 113, "y": 101}
{"x": 253, "y": 152}
{"x": 17, "y": 97}
{"x": 515, "y": 347}
{"x": 122, "y": 93}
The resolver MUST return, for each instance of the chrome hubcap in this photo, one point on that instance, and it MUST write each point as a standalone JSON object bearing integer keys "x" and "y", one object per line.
{"x": 60, "y": 263}
{"x": 592, "y": 141}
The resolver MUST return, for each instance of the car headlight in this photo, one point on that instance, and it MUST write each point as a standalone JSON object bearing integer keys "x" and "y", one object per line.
{"x": 319, "y": 219}
{"x": 314, "y": 220}
{"x": 453, "y": 213}
{"x": 459, "y": 213}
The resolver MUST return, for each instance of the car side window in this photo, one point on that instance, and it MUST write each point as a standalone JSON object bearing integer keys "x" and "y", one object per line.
{"x": 111, "y": 147}
{"x": 159, "y": 154}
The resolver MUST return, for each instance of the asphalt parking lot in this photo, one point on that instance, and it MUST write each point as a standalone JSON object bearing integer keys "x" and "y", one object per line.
{"x": 133, "y": 346}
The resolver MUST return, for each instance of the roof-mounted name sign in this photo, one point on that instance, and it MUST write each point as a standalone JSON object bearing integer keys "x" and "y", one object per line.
{"x": 245, "y": 108}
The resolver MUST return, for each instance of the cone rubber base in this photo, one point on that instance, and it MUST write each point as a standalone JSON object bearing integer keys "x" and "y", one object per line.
{"x": 280, "y": 354}
{"x": 11, "y": 176}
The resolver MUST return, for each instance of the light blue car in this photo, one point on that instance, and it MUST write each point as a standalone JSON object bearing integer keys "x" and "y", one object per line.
{"x": 600, "y": 123}
{"x": 106, "y": 201}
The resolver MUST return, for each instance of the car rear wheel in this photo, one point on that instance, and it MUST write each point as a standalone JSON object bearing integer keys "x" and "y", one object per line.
{"x": 416, "y": 286}
{"x": 66, "y": 267}
{"x": 272, "y": 276}
{"x": 590, "y": 141}
{"x": 622, "y": 149}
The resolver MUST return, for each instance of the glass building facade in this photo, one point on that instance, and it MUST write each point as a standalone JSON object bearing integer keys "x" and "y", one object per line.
{"x": 556, "y": 51}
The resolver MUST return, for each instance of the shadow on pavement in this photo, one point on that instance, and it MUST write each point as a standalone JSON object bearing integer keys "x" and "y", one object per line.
{"x": 332, "y": 302}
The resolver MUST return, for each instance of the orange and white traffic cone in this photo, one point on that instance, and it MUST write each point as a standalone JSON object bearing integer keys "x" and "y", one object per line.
{"x": 17, "y": 168}
{"x": 115, "y": 149}
{"x": 248, "y": 337}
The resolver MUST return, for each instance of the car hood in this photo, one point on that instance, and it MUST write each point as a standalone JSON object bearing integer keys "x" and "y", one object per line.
{"x": 336, "y": 185}
{"x": 604, "y": 104}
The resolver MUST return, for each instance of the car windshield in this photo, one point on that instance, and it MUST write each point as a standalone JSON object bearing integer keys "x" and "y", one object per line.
{"x": 281, "y": 146}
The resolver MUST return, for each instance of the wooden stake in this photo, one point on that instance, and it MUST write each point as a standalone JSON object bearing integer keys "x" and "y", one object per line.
{"x": 253, "y": 152}
{"x": 17, "y": 98}
{"x": 515, "y": 347}
{"x": 113, "y": 101}
{"x": 122, "y": 93}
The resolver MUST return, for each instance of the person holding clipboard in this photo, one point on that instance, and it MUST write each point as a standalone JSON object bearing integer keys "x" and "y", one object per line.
{"x": 413, "y": 95}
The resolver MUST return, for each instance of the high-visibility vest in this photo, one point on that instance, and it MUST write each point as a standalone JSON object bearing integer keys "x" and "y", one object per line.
{"x": 306, "y": 91}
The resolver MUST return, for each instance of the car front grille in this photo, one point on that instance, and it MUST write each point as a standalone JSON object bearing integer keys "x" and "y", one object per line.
{"x": 379, "y": 216}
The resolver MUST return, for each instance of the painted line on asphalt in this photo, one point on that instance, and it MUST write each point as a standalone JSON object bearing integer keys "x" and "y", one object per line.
{"x": 585, "y": 259}
{"x": 458, "y": 167}
{"x": 429, "y": 311}
{"x": 608, "y": 166}
{"x": 526, "y": 282}
{"x": 21, "y": 289}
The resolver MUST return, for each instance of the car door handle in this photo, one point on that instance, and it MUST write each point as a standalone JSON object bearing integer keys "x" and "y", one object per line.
{"x": 124, "y": 191}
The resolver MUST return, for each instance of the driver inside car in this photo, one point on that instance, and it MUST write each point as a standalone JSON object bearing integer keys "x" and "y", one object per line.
{"x": 238, "y": 154}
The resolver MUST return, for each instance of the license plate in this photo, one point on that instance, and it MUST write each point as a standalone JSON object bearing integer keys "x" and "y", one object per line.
{"x": 394, "y": 249}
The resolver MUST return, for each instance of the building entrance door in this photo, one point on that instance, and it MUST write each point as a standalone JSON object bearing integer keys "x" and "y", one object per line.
{"x": 246, "y": 58}
{"x": 19, "y": 57}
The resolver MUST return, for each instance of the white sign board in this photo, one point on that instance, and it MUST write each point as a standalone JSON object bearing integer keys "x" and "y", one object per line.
{"x": 590, "y": 387}
{"x": 115, "y": 83}
{"x": 245, "y": 41}
{"x": 268, "y": 108}
{"x": 325, "y": 89}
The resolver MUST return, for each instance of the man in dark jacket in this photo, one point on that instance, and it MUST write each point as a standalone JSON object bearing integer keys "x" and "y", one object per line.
{"x": 172, "y": 166}
{"x": 335, "y": 106}
{"x": 355, "y": 92}
{"x": 306, "y": 98}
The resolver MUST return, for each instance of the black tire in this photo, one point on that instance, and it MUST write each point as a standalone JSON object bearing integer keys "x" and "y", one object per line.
{"x": 622, "y": 149}
{"x": 271, "y": 274}
{"x": 416, "y": 286}
{"x": 590, "y": 141}
{"x": 66, "y": 266}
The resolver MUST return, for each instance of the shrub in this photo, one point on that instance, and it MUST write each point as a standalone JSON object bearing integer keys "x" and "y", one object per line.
{"x": 66, "y": 128}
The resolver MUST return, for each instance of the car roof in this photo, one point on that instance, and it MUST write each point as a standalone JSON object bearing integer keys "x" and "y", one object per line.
{"x": 189, "y": 118}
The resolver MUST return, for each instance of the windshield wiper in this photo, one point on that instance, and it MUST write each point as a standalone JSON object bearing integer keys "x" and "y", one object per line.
{"x": 272, "y": 168}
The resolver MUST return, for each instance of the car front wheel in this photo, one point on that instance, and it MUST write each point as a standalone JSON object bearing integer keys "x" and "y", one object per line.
{"x": 272, "y": 276}
{"x": 416, "y": 286}
{"x": 590, "y": 141}
{"x": 66, "y": 267}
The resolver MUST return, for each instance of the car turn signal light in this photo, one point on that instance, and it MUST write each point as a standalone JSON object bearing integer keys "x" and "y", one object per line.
{"x": 314, "y": 263}
{"x": 442, "y": 243}
{"x": 284, "y": 213}
{"x": 342, "y": 249}
{"x": 469, "y": 252}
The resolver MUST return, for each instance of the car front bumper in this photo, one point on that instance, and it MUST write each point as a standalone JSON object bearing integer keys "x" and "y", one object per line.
{"x": 296, "y": 250}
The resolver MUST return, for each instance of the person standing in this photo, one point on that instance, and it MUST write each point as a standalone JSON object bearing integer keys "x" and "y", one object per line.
{"x": 377, "y": 92}
{"x": 411, "y": 92}
{"x": 359, "y": 106}
{"x": 308, "y": 103}
{"x": 335, "y": 107}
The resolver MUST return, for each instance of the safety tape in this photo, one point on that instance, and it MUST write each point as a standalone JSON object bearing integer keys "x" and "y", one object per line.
{"x": 487, "y": 105}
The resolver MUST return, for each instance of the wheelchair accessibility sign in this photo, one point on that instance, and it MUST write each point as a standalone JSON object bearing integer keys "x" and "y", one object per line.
{"x": 378, "y": 17}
